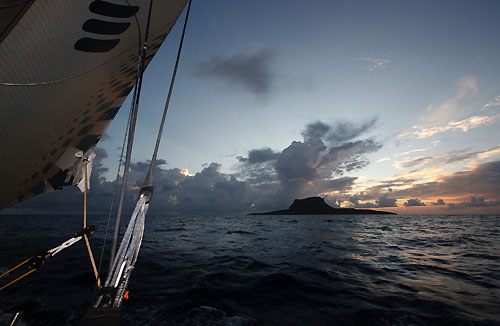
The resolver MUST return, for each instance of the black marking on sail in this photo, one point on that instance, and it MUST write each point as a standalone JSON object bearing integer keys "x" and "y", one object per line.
{"x": 46, "y": 168}
{"x": 87, "y": 44}
{"x": 161, "y": 36}
{"x": 58, "y": 180}
{"x": 85, "y": 130}
{"x": 104, "y": 28}
{"x": 156, "y": 46}
{"x": 38, "y": 189}
{"x": 126, "y": 91}
{"x": 66, "y": 143}
{"x": 34, "y": 176}
{"x": 85, "y": 120}
{"x": 104, "y": 106}
{"x": 109, "y": 114}
{"x": 120, "y": 88}
{"x": 53, "y": 151}
{"x": 112, "y": 9}
{"x": 87, "y": 142}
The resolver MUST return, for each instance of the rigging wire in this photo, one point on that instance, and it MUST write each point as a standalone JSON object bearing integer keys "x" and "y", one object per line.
{"x": 149, "y": 178}
{"x": 122, "y": 148}
{"x": 114, "y": 191}
{"x": 114, "y": 245}
{"x": 87, "y": 242}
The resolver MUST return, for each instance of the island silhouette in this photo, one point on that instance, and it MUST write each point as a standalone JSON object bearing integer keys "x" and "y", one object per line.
{"x": 317, "y": 206}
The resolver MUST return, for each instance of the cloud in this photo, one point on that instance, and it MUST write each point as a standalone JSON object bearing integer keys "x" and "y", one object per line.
{"x": 475, "y": 202}
{"x": 481, "y": 181}
{"x": 256, "y": 156}
{"x": 439, "y": 202}
{"x": 414, "y": 202}
{"x": 249, "y": 70}
{"x": 409, "y": 152}
{"x": 462, "y": 125}
{"x": 458, "y": 105}
{"x": 374, "y": 63}
{"x": 385, "y": 201}
{"x": 490, "y": 104}
{"x": 447, "y": 158}
{"x": 338, "y": 132}
{"x": 355, "y": 202}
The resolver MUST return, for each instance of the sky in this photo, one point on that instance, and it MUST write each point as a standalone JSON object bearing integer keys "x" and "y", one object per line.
{"x": 391, "y": 105}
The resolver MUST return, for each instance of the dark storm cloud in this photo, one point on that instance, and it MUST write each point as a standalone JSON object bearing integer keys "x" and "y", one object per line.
{"x": 414, "y": 202}
{"x": 475, "y": 202}
{"x": 256, "y": 156}
{"x": 346, "y": 131}
{"x": 338, "y": 132}
{"x": 386, "y": 201}
{"x": 300, "y": 161}
{"x": 307, "y": 168}
{"x": 383, "y": 201}
{"x": 439, "y": 202}
{"x": 250, "y": 70}
{"x": 316, "y": 129}
{"x": 355, "y": 201}
{"x": 350, "y": 156}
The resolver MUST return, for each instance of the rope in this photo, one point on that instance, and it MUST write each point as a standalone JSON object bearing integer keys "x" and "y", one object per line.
{"x": 35, "y": 262}
{"x": 114, "y": 191}
{"x": 149, "y": 178}
{"x": 15, "y": 4}
{"x": 14, "y": 268}
{"x": 87, "y": 242}
{"x": 17, "y": 279}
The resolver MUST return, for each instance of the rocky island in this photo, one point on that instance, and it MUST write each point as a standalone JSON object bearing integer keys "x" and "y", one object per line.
{"x": 317, "y": 206}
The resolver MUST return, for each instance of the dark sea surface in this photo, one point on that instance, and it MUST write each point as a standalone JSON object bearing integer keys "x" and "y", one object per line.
{"x": 270, "y": 270}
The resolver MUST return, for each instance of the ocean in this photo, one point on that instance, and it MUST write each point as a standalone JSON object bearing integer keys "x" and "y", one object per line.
{"x": 270, "y": 270}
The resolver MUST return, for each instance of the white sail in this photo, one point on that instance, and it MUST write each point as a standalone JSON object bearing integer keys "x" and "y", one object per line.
{"x": 66, "y": 68}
